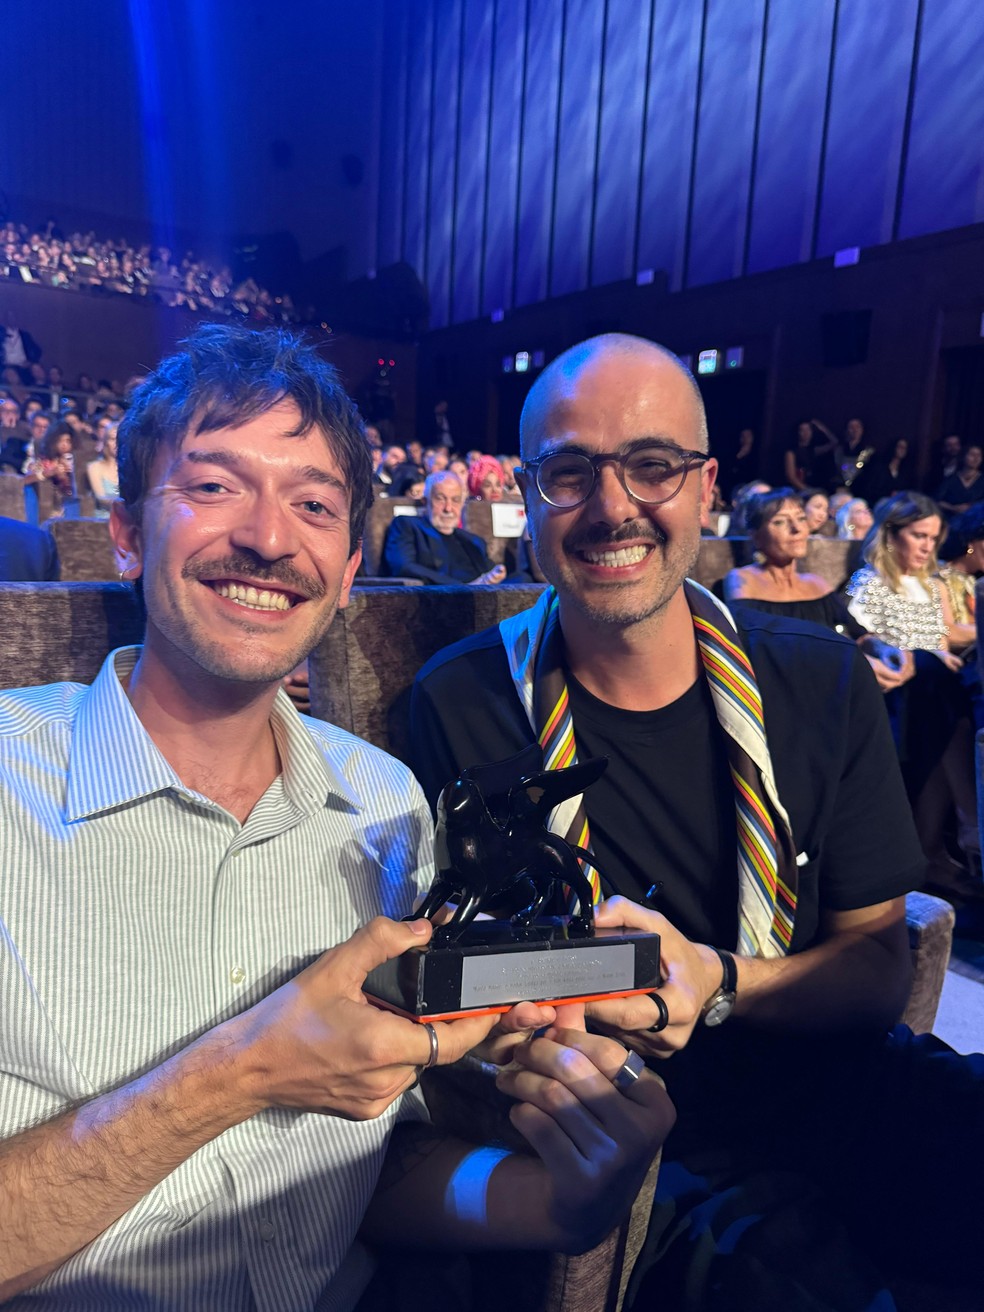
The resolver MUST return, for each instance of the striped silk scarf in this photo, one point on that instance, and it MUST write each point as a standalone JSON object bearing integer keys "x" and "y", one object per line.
{"x": 766, "y": 855}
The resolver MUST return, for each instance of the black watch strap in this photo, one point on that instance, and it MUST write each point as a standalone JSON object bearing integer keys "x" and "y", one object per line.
{"x": 729, "y": 979}
{"x": 720, "y": 1004}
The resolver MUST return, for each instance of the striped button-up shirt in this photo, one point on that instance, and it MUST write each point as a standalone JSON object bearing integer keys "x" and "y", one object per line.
{"x": 135, "y": 914}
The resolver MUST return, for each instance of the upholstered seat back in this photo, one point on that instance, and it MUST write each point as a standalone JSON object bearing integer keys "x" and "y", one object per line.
{"x": 55, "y": 631}
{"x": 362, "y": 670}
{"x": 85, "y": 549}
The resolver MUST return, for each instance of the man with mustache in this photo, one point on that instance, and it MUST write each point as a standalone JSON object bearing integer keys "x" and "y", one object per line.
{"x": 196, "y": 1098}
{"x": 752, "y": 814}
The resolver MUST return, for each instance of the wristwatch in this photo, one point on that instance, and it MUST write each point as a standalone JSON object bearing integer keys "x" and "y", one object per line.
{"x": 721, "y": 1003}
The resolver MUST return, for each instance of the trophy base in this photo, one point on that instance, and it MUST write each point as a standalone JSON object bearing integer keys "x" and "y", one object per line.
{"x": 495, "y": 964}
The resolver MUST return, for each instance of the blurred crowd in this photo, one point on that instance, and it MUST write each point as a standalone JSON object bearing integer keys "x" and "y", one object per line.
{"x": 84, "y": 262}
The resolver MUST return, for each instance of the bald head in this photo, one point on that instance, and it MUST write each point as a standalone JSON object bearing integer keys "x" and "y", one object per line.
{"x": 643, "y": 363}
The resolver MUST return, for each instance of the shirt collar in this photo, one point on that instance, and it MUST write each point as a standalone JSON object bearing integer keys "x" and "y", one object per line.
{"x": 114, "y": 761}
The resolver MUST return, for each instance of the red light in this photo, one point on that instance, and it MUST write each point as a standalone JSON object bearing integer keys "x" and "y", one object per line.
{"x": 392, "y": 363}
{"x": 380, "y": 363}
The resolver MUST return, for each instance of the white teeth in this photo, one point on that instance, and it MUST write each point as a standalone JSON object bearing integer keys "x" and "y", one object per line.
{"x": 624, "y": 556}
{"x": 249, "y": 597}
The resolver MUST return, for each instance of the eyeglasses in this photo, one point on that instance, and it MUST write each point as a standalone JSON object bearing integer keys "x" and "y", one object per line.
{"x": 649, "y": 474}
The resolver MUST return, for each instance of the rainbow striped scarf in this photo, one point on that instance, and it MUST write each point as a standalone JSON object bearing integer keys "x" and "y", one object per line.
{"x": 766, "y": 855}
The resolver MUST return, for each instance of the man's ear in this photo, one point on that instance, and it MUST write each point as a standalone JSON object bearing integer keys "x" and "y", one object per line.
{"x": 348, "y": 578}
{"x": 125, "y": 532}
{"x": 708, "y": 477}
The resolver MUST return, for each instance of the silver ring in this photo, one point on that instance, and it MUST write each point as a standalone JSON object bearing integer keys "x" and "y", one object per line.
{"x": 628, "y": 1072}
{"x": 664, "y": 1014}
{"x": 432, "y": 1035}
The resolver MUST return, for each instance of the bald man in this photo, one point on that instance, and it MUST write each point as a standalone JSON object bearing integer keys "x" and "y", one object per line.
{"x": 752, "y": 815}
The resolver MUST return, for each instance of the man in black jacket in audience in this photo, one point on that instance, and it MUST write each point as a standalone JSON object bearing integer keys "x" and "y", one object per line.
{"x": 434, "y": 549}
{"x": 27, "y": 555}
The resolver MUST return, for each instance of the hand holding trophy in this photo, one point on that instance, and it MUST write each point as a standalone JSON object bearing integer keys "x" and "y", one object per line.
{"x": 496, "y": 858}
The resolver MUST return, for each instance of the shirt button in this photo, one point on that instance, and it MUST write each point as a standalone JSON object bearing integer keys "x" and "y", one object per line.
{"x": 237, "y": 975}
{"x": 267, "y": 1230}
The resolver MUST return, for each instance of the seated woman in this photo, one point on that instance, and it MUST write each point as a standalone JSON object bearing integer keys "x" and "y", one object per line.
{"x": 777, "y": 526}
{"x": 53, "y": 464}
{"x": 853, "y": 520}
{"x": 966, "y": 487}
{"x": 897, "y": 596}
{"x": 816, "y": 505}
{"x": 962, "y": 550}
{"x": 485, "y": 479}
{"x": 103, "y": 474}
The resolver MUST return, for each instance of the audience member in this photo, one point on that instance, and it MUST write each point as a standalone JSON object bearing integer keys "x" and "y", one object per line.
{"x": 816, "y": 507}
{"x": 738, "y": 500}
{"x": 962, "y": 550}
{"x": 103, "y": 473}
{"x": 485, "y": 478}
{"x": 433, "y": 547}
{"x": 27, "y": 555}
{"x": 393, "y": 456}
{"x": 897, "y": 596}
{"x": 435, "y": 459}
{"x": 851, "y": 456}
{"x": 778, "y": 528}
{"x": 53, "y": 463}
{"x": 853, "y": 519}
{"x": 808, "y": 458}
{"x": 966, "y": 487}
{"x": 946, "y": 462}
{"x": 884, "y": 475}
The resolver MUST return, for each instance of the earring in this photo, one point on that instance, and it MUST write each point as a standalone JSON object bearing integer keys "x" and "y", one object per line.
{"x": 970, "y": 549}
{"x": 125, "y": 572}
{"x": 758, "y": 557}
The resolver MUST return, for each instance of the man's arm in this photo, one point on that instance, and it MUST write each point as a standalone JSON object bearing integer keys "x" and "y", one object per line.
{"x": 315, "y": 1044}
{"x": 593, "y": 1146}
{"x": 856, "y": 977}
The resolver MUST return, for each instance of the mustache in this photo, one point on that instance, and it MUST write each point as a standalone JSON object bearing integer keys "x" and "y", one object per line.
{"x": 246, "y": 564}
{"x": 598, "y": 536}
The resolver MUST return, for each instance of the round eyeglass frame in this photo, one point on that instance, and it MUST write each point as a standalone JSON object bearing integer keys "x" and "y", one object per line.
{"x": 687, "y": 461}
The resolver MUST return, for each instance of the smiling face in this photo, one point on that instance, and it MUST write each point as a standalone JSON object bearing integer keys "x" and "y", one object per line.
{"x": 783, "y": 537}
{"x": 243, "y": 549}
{"x": 614, "y": 559}
{"x": 915, "y": 544}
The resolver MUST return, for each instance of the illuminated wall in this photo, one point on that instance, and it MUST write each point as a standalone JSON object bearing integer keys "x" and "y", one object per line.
{"x": 532, "y": 148}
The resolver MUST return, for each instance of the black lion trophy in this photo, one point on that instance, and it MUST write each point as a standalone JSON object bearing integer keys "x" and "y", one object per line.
{"x": 500, "y": 868}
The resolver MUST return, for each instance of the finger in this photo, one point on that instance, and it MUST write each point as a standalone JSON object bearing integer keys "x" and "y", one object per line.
{"x": 379, "y": 941}
{"x": 526, "y": 1017}
{"x": 456, "y": 1037}
{"x": 570, "y": 1089}
{"x": 627, "y": 1015}
{"x": 570, "y": 1016}
{"x": 609, "y": 1057}
{"x": 620, "y": 911}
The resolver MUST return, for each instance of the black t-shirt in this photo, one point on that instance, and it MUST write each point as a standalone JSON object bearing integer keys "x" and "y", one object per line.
{"x": 680, "y": 835}
{"x": 828, "y": 736}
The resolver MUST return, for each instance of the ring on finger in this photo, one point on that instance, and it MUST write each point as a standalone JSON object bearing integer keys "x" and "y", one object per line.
{"x": 663, "y": 1017}
{"x": 628, "y": 1072}
{"x": 432, "y": 1035}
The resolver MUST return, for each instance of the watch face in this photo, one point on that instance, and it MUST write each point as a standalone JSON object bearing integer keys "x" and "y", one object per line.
{"x": 720, "y": 1009}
